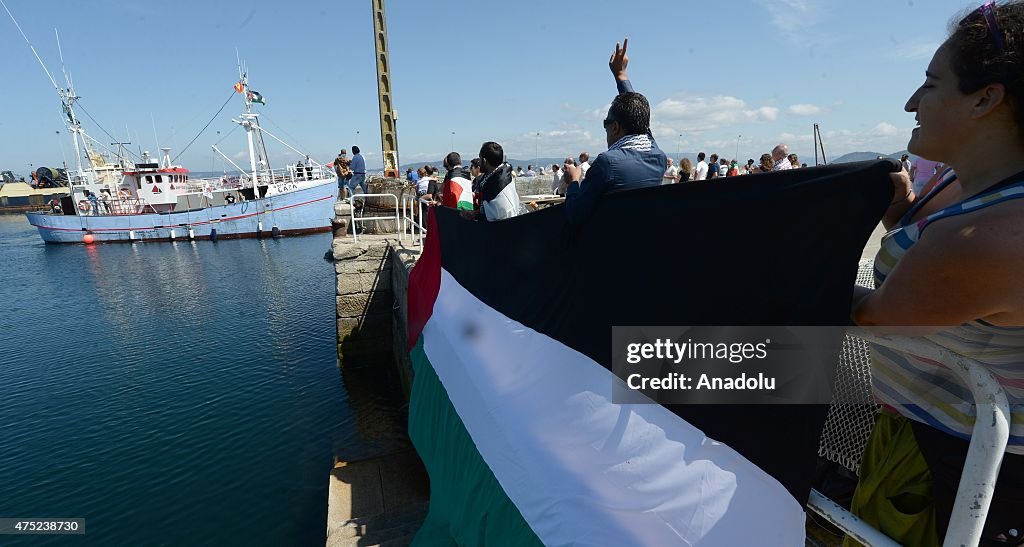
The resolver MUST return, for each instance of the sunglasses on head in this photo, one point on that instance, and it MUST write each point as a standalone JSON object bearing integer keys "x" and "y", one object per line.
{"x": 988, "y": 11}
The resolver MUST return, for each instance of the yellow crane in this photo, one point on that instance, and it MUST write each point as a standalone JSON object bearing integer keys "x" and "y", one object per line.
{"x": 388, "y": 118}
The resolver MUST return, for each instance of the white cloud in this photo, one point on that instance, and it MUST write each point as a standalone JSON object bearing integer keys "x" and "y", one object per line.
{"x": 693, "y": 113}
{"x": 565, "y": 141}
{"x": 805, "y": 109}
{"x": 767, "y": 113}
{"x": 885, "y": 129}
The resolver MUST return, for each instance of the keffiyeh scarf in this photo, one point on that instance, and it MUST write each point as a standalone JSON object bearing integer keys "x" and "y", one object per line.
{"x": 642, "y": 143}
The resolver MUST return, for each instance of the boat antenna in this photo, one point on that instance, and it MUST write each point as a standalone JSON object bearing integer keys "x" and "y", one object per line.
{"x": 30, "y": 46}
{"x": 155, "y": 136}
{"x": 67, "y": 96}
{"x": 60, "y": 53}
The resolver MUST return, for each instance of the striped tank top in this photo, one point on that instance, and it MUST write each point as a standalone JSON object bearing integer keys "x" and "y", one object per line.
{"x": 925, "y": 390}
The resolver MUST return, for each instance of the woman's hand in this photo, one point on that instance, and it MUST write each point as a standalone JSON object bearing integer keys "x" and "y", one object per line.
{"x": 902, "y": 198}
{"x": 619, "y": 61}
{"x": 903, "y": 187}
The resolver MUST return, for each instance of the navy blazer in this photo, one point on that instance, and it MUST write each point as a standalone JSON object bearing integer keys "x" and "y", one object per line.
{"x": 614, "y": 170}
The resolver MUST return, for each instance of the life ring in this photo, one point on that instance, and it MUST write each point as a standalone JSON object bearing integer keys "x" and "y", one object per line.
{"x": 84, "y": 205}
{"x": 124, "y": 193}
{"x": 229, "y": 199}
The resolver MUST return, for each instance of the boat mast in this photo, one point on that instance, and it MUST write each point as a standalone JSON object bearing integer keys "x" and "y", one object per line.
{"x": 68, "y": 99}
{"x": 249, "y": 122}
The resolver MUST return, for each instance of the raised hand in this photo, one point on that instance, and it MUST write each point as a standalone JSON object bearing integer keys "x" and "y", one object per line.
{"x": 571, "y": 174}
{"x": 619, "y": 60}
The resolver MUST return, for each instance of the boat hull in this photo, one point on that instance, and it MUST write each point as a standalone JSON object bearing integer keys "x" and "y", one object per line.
{"x": 302, "y": 211}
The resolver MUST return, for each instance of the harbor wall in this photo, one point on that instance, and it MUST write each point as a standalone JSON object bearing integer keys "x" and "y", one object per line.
{"x": 371, "y": 285}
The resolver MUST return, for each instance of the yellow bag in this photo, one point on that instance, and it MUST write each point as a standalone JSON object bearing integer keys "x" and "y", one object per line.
{"x": 894, "y": 493}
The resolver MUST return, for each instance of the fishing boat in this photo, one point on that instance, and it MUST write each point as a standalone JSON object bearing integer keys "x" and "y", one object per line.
{"x": 159, "y": 201}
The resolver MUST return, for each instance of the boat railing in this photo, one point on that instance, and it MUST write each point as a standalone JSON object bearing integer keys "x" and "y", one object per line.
{"x": 414, "y": 218}
{"x": 216, "y": 184}
{"x": 115, "y": 207}
{"x": 988, "y": 443}
{"x": 361, "y": 199}
{"x": 289, "y": 174}
{"x": 297, "y": 173}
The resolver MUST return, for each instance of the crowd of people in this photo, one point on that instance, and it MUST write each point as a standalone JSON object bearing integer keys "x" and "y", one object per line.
{"x": 633, "y": 160}
{"x": 714, "y": 166}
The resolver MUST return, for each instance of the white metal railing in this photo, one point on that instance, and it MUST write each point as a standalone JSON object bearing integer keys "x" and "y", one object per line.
{"x": 989, "y": 438}
{"x": 290, "y": 173}
{"x": 411, "y": 205}
{"x": 352, "y": 211}
{"x": 198, "y": 186}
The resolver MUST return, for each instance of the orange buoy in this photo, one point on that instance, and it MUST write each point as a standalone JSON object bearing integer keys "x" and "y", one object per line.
{"x": 88, "y": 239}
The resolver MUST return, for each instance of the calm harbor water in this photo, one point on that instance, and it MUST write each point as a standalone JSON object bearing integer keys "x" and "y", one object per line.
{"x": 177, "y": 394}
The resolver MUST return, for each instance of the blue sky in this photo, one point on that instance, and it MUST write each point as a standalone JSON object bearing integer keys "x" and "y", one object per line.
{"x": 530, "y": 75}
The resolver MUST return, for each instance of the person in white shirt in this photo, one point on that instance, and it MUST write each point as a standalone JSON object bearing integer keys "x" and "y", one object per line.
{"x": 780, "y": 156}
{"x": 584, "y": 164}
{"x": 426, "y": 186}
{"x": 700, "y": 172}
{"x": 556, "y": 180}
{"x": 671, "y": 174}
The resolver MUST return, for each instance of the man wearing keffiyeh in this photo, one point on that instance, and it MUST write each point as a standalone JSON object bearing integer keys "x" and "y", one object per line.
{"x": 633, "y": 159}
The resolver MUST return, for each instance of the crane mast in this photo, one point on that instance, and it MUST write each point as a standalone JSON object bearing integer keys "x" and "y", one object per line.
{"x": 388, "y": 118}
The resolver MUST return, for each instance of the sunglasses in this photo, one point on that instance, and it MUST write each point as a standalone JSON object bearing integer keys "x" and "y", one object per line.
{"x": 607, "y": 122}
{"x": 988, "y": 11}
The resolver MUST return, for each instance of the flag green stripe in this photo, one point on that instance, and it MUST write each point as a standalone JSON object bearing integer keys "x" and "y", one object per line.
{"x": 467, "y": 505}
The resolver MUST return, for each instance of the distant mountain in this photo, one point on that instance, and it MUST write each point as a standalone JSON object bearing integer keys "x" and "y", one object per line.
{"x": 864, "y": 156}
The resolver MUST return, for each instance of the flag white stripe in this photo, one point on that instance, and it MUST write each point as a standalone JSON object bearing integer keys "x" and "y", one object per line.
{"x": 581, "y": 469}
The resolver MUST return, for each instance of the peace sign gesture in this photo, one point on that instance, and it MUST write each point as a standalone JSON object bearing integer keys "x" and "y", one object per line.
{"x": 619, "y": 60}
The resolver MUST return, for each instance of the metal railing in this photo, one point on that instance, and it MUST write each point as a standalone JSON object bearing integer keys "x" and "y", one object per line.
{"x": 410, "y": 219}
{"x": 114, "y": 207}
{"x": 989, "y": 438}
{"x": 352, "y": 211}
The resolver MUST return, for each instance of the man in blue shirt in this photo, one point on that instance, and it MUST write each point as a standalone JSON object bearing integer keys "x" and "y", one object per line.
{"x": 358, "y": 172}
{"x": 633, "y": 159}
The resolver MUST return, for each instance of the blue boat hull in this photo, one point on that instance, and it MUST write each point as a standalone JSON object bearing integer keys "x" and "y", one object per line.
{"x": 302, "y": 211}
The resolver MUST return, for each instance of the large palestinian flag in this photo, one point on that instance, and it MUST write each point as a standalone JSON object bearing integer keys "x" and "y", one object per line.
{"x": 510, "y": 329}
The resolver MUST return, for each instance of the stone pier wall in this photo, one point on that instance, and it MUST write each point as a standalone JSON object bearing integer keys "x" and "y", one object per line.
{"x": 364, "y": 298}
{"x": 372, "y": 279}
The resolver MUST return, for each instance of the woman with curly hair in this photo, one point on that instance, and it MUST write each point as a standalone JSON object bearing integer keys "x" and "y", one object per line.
{"x": 952, "y": 262}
